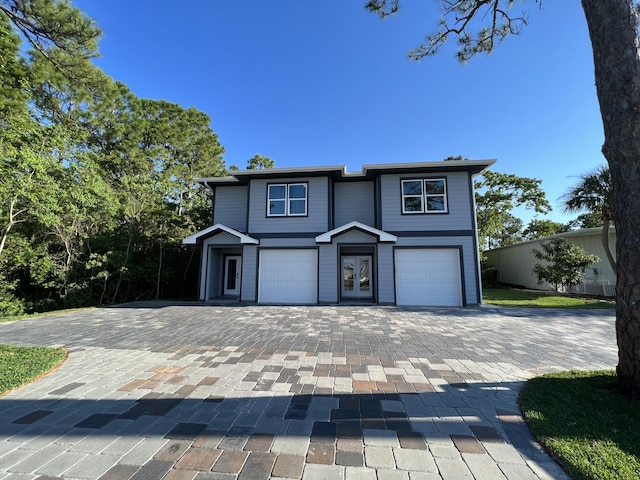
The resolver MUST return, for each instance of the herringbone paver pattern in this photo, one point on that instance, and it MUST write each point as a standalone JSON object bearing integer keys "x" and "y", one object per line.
{"x": 182, "y": 392}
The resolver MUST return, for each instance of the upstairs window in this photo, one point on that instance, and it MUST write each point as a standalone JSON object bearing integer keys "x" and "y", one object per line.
{"x": 287, "y": 200}
{"x": 424, "y": 195}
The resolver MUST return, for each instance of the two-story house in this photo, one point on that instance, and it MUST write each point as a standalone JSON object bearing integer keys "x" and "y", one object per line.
{"x": 397, "y": 234}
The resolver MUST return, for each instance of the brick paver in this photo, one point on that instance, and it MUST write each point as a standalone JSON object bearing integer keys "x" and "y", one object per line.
{"x": 198, "y": 391}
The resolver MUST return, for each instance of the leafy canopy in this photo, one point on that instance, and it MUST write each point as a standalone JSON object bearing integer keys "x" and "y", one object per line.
{"x": 563, "y": 263}
{"x": 497, "y": 194}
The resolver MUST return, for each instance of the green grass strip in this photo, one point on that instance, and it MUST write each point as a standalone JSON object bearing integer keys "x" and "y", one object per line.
{"x": 21, "y": 365}
{"x": 29, "y": 316}
{"x": 592, "y": 431}
{"x": 509, "y": 297}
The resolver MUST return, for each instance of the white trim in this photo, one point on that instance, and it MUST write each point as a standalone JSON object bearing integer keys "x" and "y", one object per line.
{"x": 327, "y": 237}
{"x": 287, "y": 199}
{"x": 476, "y": 165}
{"x": 424, "y": 196}
{"x": 244, "y": 239}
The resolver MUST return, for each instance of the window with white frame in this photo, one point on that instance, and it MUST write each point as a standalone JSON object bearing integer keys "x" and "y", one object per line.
{"x": 424, "y": 195}
{"x": 287, "y": 200}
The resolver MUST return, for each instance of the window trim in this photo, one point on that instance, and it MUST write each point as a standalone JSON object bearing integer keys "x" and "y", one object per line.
{"x": 424, "y": 196}
{"x": 287, "y": 200}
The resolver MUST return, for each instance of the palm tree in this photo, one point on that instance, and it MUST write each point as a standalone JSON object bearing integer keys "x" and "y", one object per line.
{"x": 594, "y": 194}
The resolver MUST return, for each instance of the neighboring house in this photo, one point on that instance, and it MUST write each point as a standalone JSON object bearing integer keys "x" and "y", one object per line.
{"x": 515, "y": 263}
{"x": 402, "y": 234}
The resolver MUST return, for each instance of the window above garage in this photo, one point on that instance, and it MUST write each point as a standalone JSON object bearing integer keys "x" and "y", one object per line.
{"x": 424, "y": 195}
{"x": 287, "y": 199}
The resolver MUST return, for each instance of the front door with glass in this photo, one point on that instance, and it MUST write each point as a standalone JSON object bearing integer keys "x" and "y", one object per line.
{"x": 232, "y": 275}
{"x": 356, "y": 276}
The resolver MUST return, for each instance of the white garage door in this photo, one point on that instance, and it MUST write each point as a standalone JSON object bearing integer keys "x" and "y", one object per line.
{"x": 428, "y": 277}
{"x": 288, "y": 276}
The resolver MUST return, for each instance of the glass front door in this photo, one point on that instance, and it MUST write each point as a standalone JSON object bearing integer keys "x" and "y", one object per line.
{"x": 232, "y": 275}
{"x": 356, "y": 276}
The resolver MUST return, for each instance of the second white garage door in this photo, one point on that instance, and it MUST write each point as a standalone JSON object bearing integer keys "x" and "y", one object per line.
{"x": 428, "y": 276}
{"x": 288, "y": 276}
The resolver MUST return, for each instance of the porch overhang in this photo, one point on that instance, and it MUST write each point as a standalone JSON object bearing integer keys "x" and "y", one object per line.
{"x": 199, "y": 237}
{"x": 383, "y": 236}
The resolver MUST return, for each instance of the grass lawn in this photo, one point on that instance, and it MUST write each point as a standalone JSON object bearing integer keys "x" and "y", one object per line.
{"x": 593, "y": 432}
{"x": 26, "y": 316}
{"x": 21, "y": 365}
{"x": 509, "y": 297}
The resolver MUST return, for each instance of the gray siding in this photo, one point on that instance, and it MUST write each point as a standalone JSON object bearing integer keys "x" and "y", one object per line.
{"x": 354, "y": 201}
{"x": 386, "y": 280}
{"x": 355, "y": 236}
{"x": 460, "y": 208}
{"x": 249, "y": 274}
{"x": 215, "y": 273}
{"x": 471, "y": 276}
{"x": 223, "y": 238}
{"x": 317, "y": 219}
{"x": 230, "y": 207}
{"x": 328, "y": 281}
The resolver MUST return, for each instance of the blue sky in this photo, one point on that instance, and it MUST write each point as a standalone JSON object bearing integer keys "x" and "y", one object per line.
{"x": 326, "y": 83}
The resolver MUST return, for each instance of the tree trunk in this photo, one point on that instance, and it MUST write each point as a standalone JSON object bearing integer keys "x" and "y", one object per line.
{"x": 11, "y": 222}
{"x": 613, "y": 29}
{"x": 124, "y": 264}
{"x": 605, "y": 244}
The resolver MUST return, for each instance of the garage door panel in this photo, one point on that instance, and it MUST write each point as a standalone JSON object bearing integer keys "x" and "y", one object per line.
{"x": 428, "y": 277}
{"x": 288, "y": 276}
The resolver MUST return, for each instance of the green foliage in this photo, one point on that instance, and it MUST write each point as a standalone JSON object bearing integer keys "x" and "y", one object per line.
{"x": 564, "y": 263}
{"x": 539, "y": 228}
{"x": 593, "y": 194}
{"x": 585, "y": 220}
{"x": 259, "y": 162}
{"x": 97, "y": 191}
{"x": 476, "y": 25}
{"x": 56, "y": 30}
{"x": 489, "y": 275}
{"x": 579, "y": 417}
{"x": 497, "y": 194}
{"x": 21, "y": 365}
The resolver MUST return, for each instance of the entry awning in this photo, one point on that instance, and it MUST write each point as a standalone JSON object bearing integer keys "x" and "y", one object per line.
{"x": 197, "y": 238}
{"x": 383, "y": 236}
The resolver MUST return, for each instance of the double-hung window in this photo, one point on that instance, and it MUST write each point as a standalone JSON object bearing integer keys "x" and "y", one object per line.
{"x": 424, "y": 195}
{"x": 287, "y": 200}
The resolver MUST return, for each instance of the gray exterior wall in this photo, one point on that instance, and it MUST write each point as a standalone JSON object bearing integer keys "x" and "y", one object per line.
{"x": 244, "y": 208}
{"x": 230, "y": 207}
{"x": 459, "y": 201}
{"x": 248, "y": 292}
{"x": 354, "y": 201}
{"x": 386, "y": 279}
{"x": 328, "y": 280}
{"x": 317, "y": 219}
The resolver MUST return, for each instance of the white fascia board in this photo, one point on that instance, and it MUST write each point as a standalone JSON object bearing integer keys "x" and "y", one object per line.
{"x": 327, "y": 237}
{"x": 438, "y": 164}
{"x": 244, "y": 239}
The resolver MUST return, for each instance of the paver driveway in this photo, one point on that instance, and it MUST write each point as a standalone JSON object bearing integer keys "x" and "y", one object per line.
{"x": 190, "y": 391}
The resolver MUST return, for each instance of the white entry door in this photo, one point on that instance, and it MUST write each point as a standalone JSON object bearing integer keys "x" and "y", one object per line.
{"x": 232, "y": 275}
{"x": 356, "y": 276}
